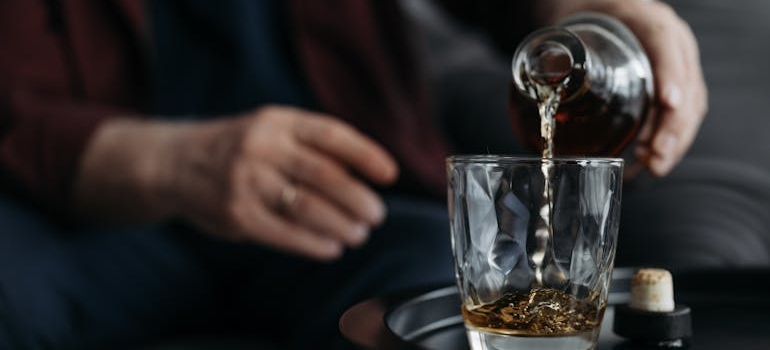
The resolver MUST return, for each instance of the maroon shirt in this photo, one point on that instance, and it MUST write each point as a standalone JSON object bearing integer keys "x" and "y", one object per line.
{"x": 65, "y": 66}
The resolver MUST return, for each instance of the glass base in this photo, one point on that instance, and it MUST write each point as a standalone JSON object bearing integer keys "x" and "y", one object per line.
{"x": 480, "y": 340}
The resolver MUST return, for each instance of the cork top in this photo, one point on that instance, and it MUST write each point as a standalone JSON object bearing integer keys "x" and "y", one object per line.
{"x": 651, "y": 276}
{"x": 652, "y": 290}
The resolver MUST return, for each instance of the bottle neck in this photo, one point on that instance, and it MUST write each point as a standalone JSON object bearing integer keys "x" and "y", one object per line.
{"x": 553, "y": 59}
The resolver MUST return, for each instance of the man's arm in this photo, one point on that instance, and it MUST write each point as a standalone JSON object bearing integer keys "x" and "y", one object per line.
{"x": 287, "y": 178}
{"x": 41, "y": 139}
{"x": 284, "y": 177}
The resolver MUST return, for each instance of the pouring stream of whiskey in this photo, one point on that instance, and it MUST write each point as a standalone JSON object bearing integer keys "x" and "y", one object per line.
{"x": 548, "y": 104}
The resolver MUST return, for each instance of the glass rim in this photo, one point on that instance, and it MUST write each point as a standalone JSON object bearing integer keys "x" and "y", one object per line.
{"x": 528, "y": 159}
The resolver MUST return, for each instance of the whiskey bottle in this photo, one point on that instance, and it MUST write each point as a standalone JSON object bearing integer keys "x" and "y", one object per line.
{"x": 593, "y": 76}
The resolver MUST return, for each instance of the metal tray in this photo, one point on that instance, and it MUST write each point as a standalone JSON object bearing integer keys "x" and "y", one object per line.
{"x": 731, "y": 309}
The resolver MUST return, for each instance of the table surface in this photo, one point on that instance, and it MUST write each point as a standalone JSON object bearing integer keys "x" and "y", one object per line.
{"x": 730, "y": 310}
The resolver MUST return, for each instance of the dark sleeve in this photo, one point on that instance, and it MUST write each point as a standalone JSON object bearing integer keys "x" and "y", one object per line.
{"x": 41, "y": 143}
{"x": 63, "y": 70}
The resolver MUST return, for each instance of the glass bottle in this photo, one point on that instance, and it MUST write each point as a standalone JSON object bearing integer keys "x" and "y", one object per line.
{"x": 596, "y": 77}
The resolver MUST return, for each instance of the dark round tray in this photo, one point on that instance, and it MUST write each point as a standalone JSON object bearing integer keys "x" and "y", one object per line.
{"x": 730, "y": 310}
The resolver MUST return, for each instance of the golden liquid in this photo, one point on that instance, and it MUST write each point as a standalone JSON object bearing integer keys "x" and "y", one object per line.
{"x": 548, "y": 105}
{"x": 539, "y": 312}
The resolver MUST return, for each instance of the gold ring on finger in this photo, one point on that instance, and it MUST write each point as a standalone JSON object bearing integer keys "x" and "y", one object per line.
{"x": 288, "y": 198}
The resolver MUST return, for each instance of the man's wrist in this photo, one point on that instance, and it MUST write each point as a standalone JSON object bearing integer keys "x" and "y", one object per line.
{"x": 126, "y": 171}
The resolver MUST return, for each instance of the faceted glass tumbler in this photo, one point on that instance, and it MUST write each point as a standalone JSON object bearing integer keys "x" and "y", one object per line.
{"x": 534, "y": 244}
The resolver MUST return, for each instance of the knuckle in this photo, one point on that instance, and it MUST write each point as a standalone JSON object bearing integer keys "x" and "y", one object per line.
{"x": 662, "y": 16}
{"x": 325, "y": 132}
{"x": 663, "y": 9}
{"x": 682, "y": 23}
{"x": 267, "y": 112}
{"x": 253, "y": 135}
{"x": 275, "y": 115}
{"x": 331, "y": 132}
{"x": 335, "y": 133}
{"x": 265, "y": 129}
{"x": 666, "y": 9}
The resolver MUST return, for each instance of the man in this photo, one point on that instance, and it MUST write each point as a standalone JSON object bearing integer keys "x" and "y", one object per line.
{"x": 304, "y": 135}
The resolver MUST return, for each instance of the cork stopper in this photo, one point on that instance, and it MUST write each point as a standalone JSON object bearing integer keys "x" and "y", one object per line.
{"x": 652, "y": 317}
{"x": 652, "y": 290}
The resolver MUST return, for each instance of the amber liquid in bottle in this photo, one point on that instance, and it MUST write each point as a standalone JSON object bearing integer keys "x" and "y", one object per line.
{"x": 586, "y": 126}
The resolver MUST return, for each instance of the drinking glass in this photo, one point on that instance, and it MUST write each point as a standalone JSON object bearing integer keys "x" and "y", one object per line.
{"x": 534, "y": 244}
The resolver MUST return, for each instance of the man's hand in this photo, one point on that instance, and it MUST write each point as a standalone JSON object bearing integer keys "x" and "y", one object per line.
{"x": 278, "y": 176}
{"x": 681, "y": 92}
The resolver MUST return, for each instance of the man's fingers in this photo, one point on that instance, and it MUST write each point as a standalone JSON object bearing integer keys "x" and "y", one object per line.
{"x": 349, "y": 147}
{"x": 282, "y": 177}
{"x": 322, "y": 217}
{"x": 270, "y": 210}
{"x": 284, "y": 235}
{"x": 673, "y": 54}
{"x": 695, "y": 71}
{"x": 329, "y": 179}
{"x": 293, "y": 237}
{"x": 303, "y": 206}
{"x": 682, "y": 109}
